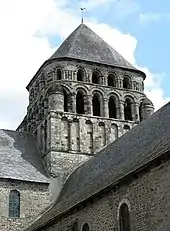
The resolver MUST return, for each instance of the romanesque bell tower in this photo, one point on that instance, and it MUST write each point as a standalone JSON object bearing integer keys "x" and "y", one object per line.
{"x": 82, "y": 99}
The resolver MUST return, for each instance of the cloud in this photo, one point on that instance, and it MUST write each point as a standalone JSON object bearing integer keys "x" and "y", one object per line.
{"x": 26, "y": 27}
{"x": 21, "y": 54}
{"x": 153, "y": 88}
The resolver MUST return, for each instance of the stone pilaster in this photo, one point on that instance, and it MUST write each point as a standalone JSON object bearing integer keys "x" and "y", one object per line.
{"x": 121, "y": 110}
{"x": 106, "y": 108}
{"x": 90, "y": 105}
{"x": 137, "y": 117}
{"x": 73, "y": 99}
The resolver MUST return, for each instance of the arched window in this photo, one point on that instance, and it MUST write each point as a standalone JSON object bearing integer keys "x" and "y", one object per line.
{"x": 140, "y": 112}
{"x": 58, "y": 74}
{"x": 96, "y": 77}
{"x": 96, "y": 105}
{"x": 111, "y": 80}
{"x": 45, "y": 135}
{"x": 79, "y": 103}
{"x": 126, "y": 127}
{"x": 85, "y": 227}
{"x": 114, "y": 132}
{"x": 142, "y": 86}
{"x": 126, "y": 83}
{"x": 112, "y": 108}
{"x": 124, "y": 218}
{"x": 65, "y": 101}
{"x": 80, "y": 75}
{"x": 128, "y": 109}
{"x": 14, "y": 204}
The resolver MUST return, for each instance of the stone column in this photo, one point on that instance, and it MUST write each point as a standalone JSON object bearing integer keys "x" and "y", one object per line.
{"x": 90, "y": 105}
{"x": 73, "y": 99}
{"x": 54, "y": 131}
{"x": 133, "y": 111}
{"x": 137, "y": 117}
{"x": 106, "y": 108}
{"x": 89, "y": 76}
{"x": 120, "y": 83}
{"x": 121, "y": 110}
{"x": 69, "y": 134}
{"x": 104, "y": 80}
{"x": 74, "y": 75}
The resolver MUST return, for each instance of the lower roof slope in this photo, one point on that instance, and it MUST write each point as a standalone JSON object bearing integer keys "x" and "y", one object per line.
{"x": 20, "y": 158}
{"x": 142, "y": 144}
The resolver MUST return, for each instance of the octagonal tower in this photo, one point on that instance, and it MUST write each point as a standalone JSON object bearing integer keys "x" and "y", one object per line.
{"x": 82, "y": 99}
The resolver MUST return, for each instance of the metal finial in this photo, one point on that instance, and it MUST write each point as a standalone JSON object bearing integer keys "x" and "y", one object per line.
{"x": 82, "y": 9}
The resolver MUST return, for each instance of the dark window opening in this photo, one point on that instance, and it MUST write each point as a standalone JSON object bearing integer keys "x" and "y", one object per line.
{"x": 112, "y": 108}
{"x": 140, "y": 112}
{"x": 58, "y": 74}
{"x": 126, "y": 127}
{"x": 14, "y": 204}
{"x": 45, "y": 136}
{"x": 126, "y": 83}
{"x": 128, "y": 110}
{"x": 80, "y": 75}
{"x": 65, "y": 101}
{"x": 101, "y": 124}
{"x": 85, "y": 227}
{"x": 96, "y": 105}
{"x": 111, "y": 81}
{"x": 124, "y": 218}
{"x": 142, "y": 86}
{"x": 79, "y": 103}
{"x": 95, "y": 77}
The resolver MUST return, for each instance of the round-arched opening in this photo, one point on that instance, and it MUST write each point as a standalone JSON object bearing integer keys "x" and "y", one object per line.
{"x": 79, "y": 103}
{"x": 140, "y": 112}
{"x": 65, "y": 101}
{"x": 126, "y": 127}
{"x": 96, "y": 105}
{"x": 80, "y": 75}
{"x": 85, "y": 227}
{"x": 128, "y": 110}
{"x": 96, "y": 77}
{"x": 112, "y": 108}
{"x": 111, "y": 80}
{"x": 126, "y": 83}
{"x": 124, "y": 218}
{"x": 58, "y": 74}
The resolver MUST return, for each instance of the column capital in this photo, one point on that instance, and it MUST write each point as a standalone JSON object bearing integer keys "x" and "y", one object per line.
{"x": 106, "y": 99}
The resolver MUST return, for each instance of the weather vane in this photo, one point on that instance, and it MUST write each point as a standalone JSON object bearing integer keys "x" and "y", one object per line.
{"x": 82, "y": 9}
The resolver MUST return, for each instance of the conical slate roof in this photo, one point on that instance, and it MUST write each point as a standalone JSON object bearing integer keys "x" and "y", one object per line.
{"x": 86, "y": 45}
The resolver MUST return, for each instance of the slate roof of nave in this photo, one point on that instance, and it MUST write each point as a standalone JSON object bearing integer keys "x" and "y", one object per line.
{"x": 139, "y": 146}
{"x": 20, "y": 157}
{"x": 86, "y": 45}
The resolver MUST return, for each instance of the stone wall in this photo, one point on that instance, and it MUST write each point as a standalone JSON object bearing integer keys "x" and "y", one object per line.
{"x": 74, "y": 139}
{"x": 34, "y": 198}
{"x": 147, "y": 198}
{"x": 38, "y": 89}
{"x": 61, "y": 129}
